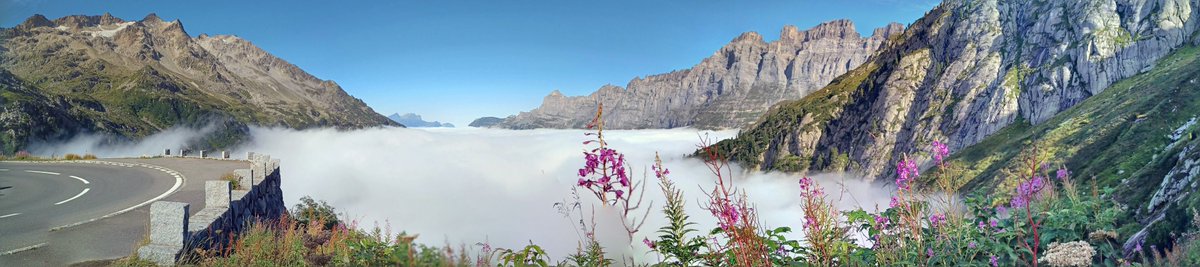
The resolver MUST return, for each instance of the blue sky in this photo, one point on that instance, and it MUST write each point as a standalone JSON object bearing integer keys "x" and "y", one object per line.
{"x": 458, "y": 60}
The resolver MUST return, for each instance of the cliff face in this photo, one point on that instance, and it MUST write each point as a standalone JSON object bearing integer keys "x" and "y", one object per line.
{"x": 961, "y": 73}
{"x": 727, "y": 90}
{"x": 134, "y": 78}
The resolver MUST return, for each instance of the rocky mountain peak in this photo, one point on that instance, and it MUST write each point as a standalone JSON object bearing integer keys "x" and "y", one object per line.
{"x": 108, "y": 19}
{"x": 748, "y": 37}
{"x": 889, "y": 30}
{"x": 839, "y": 29}
{"x": 729, "y": 89}
{"x": 37, "y": 20}
{"x": 151, "y": 18}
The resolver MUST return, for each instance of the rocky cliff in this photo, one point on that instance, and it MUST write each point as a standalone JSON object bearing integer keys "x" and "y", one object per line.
{"x": 486, "y": 122}
{"x": 414, "y": 120}
{"x": 130, "y": 79}
{"x": 727, "y": 90}
{"x": 964, "y": 71}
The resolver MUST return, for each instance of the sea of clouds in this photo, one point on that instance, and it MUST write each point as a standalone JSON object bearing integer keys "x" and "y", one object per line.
{"x": 468, "y": 185}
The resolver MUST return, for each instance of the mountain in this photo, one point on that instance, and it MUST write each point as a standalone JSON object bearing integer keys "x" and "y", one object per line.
{"x": 1138, "y": 136}
{"x": 963, "y": 72}
{"x": 129, "y": 79}
{"x": 486, "y": 122}
{"x": 414, "y": 120}
{"x": 1107, "y": 89}
{"x": 727, "y": 90}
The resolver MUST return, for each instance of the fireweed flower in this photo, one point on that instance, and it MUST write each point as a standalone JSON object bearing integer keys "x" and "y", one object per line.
{"x": 995, "y": 261}
{"x": 971, "y": 245}
{"x": 604, "y": 172}
{"x": 1063, "y": 173}
{"x": 1026, "y": 191}
{"x": 906, "y": 171}
{"x": 649, "y": 244}
{"x": 936, "y": 220}
{"x": 939, "y": 151}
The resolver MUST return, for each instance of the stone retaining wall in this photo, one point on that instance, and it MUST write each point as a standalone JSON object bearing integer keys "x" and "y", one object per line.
{"x": 227, "y": 210}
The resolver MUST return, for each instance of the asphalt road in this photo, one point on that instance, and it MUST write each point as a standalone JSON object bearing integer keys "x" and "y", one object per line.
{"x": 54, "y": 214}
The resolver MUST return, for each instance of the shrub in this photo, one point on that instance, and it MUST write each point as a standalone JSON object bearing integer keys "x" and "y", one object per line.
{"x": 313, "y": 211}
{"x": 235, "y": 181}
{"x": 89, "y": 156}
{"x": 71, "y": 156}
{"x": 22, "y": 155}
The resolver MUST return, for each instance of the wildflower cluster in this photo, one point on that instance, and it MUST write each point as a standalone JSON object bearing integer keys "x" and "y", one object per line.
{"x": 604, "y": 173}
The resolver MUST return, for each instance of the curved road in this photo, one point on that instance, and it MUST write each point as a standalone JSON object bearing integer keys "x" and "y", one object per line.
{"x": 38, "y": 197}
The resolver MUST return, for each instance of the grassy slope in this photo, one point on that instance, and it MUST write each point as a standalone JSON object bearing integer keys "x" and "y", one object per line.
{"x": 1117, "y": 138}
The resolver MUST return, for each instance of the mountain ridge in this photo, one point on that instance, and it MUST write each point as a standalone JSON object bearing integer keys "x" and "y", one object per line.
{"x": 726, "y": 90}
{"x": 130, "y": 79}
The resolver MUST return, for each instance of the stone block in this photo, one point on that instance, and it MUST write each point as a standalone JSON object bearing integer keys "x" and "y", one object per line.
{"x": 168, "y": 223}
{"x": 162, "y": 255}
{"x": 245, "y": 178}
{"x": 216, "y": 194}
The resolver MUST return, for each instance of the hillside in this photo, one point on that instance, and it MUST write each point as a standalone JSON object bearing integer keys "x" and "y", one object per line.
{"x": 131, "y": 79}
{"x": 726, "y": 90}
{"x": 963, "y": 72}
{"x": 1138, "y": 136}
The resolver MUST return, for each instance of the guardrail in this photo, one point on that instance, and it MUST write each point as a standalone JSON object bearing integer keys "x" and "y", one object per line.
{"x": 227, "y": 210}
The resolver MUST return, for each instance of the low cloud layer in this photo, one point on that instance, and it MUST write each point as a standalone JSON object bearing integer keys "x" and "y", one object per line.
{"x": 473, "y": 185}
{"x": 106, "y": 146}
{"x": 469, "y": 185}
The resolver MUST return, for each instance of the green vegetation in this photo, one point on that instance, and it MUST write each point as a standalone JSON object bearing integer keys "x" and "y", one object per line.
{"x": 1120, "y": 138}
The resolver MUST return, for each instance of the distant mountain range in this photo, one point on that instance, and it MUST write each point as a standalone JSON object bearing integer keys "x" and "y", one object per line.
{"x": 130, "y": 79}
{"x": 486, "y": 122}
{"x": 730, "y": 89}
{"x": 414, "y": 120}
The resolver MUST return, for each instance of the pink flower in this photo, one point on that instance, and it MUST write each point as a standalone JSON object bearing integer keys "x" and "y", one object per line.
{"x": 939, "y": 151}
{"x": 994, "y": 260}
{"x": 649, "y": 244}
{"x": 1063, "y": 173}
{"x": 936, "y": 220}
{"x": 906, "y": 171}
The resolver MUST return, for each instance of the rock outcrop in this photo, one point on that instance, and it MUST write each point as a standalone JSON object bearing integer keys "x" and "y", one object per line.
{"x": 486, "y": 122}
{"x": 961, "y": 73}
{"x": 727, "y": 90}
{"x": 414, "y": 120}
{"x": 130, "y": 79}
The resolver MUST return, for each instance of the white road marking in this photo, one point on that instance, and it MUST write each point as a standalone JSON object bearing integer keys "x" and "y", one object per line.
{"x": 10, "y": 252}
{"x": 3, "y": 170}
{"x": 42, "y": 172}
{"x": 179, "y": 180}
{"x": 10, "y": 215}
{"x": 85, "y": 190}
{"x": 85, "y": 181}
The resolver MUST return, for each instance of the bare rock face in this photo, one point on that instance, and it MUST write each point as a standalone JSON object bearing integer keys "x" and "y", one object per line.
{"x": 963, "y": 72}
{"x": 134, "y": 78}
{"x": 727, "y": 90}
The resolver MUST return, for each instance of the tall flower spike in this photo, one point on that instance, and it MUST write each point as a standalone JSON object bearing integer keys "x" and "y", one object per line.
{"x": 940, "y": 151}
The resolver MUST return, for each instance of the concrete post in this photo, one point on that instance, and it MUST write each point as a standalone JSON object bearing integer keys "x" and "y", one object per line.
{"x": 245, "y": 178}
{"x": 225, "y": 154}
{"x": 203, "y": 154}
{"x": 168, "y": 232}
{"x": 216, "y": 194}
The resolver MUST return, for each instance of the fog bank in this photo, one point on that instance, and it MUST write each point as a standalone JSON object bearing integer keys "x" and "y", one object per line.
{"x": 473, "y": 185}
